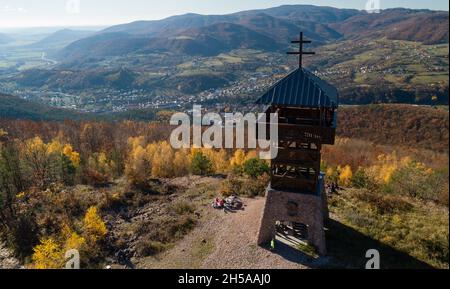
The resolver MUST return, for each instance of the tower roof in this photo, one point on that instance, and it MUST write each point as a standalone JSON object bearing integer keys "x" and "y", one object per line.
{"x": 301, "y": 88}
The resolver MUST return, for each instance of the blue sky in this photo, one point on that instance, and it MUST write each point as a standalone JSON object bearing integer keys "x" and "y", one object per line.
{"x": 32, "y": 13}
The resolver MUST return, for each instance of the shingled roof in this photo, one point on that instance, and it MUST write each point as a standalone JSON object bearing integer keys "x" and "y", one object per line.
{"x": 303, "y": 89}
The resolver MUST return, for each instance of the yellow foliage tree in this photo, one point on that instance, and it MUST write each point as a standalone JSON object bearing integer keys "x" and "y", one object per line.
{"x": 181, "y": 163}
{"x": 157, "y": 160}
{"x": 238, "y": 158}
{"x": 71, "y": 239}
{"x": 345, "y": 176}
{"x": 48, "y": 255}
{"x": 162, "y": 161}
{"x": 75, "y": 241}
{"x": 329, "y": 171}
{"x": 134, "y": 142}
{"x": 93, "y": 225}
{"x": 387, "y": 165}
{"x": 137, "y": 167}
{"x": 251, "y": 155}
{"x": 219, "y": 160}
{"x": 55, "y": 147}
{"x": 71, "y": 154}
{"x": 104, "y": 165}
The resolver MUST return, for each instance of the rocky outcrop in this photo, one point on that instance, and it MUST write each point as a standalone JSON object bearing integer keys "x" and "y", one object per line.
{"x": 7, "y": 259}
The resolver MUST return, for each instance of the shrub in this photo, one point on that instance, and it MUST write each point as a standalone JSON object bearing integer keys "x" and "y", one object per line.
{"x": 242, "y": 186}
{"x": 182, "y": 208}
{"x": 385, "y": 204}
{"x": 232, "y": 185}
{"x": 94, "y": 178}
{"x": 361, "y": 180}
{"x": 257, "y": 187}
{"x": 23, "y": 235}
{"x": 181, "y": 226}
{"x": 145, "y": 247}
{"x": 332, "y": 175}
{"x": 416, "y": 181}
{"x": 255, "y": 167}
{"x": 48, "y": 255}
{"x": 201, "y": 165}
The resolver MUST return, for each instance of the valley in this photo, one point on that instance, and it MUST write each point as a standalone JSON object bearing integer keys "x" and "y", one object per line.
{"x": 230, "y": 59}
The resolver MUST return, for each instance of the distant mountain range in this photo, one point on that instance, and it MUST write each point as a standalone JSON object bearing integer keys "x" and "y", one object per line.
{"x": 268, "y": 29}
{"x": 429, "y": 27}
{"x": 370, "y": 58}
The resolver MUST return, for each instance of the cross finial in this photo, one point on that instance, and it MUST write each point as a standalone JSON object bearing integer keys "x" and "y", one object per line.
{"x": 300, "y": 52}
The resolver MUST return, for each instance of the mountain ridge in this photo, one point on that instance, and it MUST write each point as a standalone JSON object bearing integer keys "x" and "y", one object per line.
{"x": 280, "y": 24}
{"x": 61, "y": 38}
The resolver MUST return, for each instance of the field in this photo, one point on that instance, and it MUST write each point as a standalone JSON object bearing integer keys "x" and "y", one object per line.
{"x": 21, "y": 59}
{"x": 405, "y": 65}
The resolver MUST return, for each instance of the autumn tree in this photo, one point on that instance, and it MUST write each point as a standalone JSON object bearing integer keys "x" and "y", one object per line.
{"x": 35, "y": 155}
{"x": 137, "y": 167}
{"x": 181, "y": 163}
{"x": 219, "y": 160}
{"x": 345, "y": 176}
{"x": 162, "y": 161}
{"x": 237, "y": 161}
{"x": 48, "y": 255}
{"x": 64, "y": 162}
{"x": 93, "y": 226}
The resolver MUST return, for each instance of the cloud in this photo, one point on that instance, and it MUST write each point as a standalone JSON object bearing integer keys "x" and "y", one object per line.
{"x": 7, "y": 9}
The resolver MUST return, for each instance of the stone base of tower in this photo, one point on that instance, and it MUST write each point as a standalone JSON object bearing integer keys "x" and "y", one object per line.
{"x": 310, "y": 210}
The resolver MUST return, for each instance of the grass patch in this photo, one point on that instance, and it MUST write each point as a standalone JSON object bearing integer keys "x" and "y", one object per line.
{"x": 148, "y": 247}
{"x": 413, "y": 234}
{"x": 183, "y": 208}
{"x": 201, "y": 251}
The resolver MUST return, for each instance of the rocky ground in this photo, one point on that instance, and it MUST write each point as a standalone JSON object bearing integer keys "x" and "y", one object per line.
{"x": 217, "y": 239}
{"x": 228, "y": 241}
{"x": 7, "y": 259}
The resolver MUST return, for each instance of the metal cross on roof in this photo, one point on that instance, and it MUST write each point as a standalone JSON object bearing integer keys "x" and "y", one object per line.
{"x": 300, "y": 53}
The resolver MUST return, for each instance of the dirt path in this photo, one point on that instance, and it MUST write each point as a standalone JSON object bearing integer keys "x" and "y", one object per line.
{"x": 226, "y": 241}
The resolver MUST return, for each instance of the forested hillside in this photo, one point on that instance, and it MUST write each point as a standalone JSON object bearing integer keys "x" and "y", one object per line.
{"x": 413, "y": 126}
{"x": 117, "y": 192}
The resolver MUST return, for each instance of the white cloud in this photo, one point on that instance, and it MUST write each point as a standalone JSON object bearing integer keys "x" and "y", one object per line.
{"x": 13, "y": 10}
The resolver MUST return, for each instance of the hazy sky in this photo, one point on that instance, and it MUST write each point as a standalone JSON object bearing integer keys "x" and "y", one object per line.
{"x": 28, "y": 13}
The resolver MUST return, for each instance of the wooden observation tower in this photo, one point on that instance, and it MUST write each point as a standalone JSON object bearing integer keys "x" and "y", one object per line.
{"x": 307, "y": 110}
